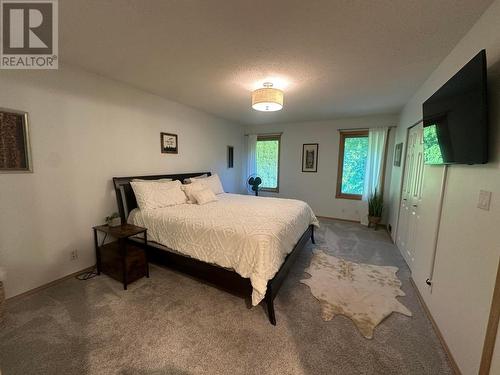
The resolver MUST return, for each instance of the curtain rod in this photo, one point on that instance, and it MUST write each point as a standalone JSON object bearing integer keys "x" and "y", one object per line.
{"x": 374, "y": 127}
{"x": 280, "y": 133}
{"x": 418, "y": 122}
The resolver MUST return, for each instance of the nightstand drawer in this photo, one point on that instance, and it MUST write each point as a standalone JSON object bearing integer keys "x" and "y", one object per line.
{"x": 112, "y": 261}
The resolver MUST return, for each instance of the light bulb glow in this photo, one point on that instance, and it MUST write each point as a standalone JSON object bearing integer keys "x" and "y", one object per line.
{"x": 267, "y": 99}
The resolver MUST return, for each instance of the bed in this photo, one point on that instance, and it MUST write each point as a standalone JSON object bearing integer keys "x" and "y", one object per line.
{"x": 241, "y": 242}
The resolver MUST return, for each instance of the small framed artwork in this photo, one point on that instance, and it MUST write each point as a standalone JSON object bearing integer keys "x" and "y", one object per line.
{"x": 15, "y": 153}
{"x": 398, "y": 150}
{"x": 310, "y": 157}
{"x": 230, "y": 156}
{"x": 169, "y": 143}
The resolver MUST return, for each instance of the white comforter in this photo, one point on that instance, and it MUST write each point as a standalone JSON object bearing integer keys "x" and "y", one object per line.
{"x": 251, "y": 235}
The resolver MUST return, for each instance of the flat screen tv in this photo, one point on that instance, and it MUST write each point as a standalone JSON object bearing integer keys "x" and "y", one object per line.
{"x": 456, "y": 118}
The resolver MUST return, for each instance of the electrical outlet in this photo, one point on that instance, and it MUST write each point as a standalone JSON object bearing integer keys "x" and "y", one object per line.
{"x": 484, "y": 200}
{"x": 74, "y": 255}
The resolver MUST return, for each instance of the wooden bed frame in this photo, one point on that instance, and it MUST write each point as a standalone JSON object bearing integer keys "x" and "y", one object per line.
{"x": 220, "y": 277}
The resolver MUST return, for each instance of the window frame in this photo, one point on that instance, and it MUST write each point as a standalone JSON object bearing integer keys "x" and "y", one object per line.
{"x": 343, "y": 136}
{"x": 272, "y": 137}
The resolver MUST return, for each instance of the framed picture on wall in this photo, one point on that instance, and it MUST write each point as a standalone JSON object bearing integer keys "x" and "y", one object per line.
{"x": 15, "y": 153}
{"x": 398, "y": 150}
{"x": 310, "y": 157}
{"x": 230, "y": 156}
{"x": 169, "y": 143}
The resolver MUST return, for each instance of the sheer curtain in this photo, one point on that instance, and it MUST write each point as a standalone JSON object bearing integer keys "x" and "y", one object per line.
{"x": 251, "y": 149}
{"x": 377, "y": 139}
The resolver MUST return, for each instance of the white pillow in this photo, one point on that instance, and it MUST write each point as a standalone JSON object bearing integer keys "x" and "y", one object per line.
{"x": 152, "y": 195}
{"x": 189, "y": 189}
{"x": 212, "y": 182}
{"x": 190, "y": 180}
{"x": 204, "y": 196}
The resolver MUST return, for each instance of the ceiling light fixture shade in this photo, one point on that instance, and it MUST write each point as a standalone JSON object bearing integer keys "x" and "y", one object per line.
{"x": 267, "y": 99}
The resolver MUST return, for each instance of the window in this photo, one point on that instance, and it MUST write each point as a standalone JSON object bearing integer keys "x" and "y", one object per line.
{"x": 353, "y": 152}
{"x": 268, "y": 160}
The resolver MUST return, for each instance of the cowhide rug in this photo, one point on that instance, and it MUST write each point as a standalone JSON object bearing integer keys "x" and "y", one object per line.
{"x": 362, "y": 292}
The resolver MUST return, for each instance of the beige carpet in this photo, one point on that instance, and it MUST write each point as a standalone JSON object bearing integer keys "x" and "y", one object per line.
{"x": 364, "y": 293}
{"x": 174, "y": 324}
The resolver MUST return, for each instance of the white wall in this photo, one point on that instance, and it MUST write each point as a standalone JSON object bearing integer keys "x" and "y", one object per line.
{"x": 469, "y": 238}
{"x": 85, "y": 129}
{"x": 318, "y": 189}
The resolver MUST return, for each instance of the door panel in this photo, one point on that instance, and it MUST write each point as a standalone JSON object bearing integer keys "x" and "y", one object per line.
{"x": 402, "y": 234}
{"x": 412, "y": 195}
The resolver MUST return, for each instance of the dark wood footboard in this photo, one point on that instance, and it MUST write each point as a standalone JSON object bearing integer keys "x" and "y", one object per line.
{"x": 225, "y": 279}
{"x": 274, "y": 285}
{"x": 219, "y": 277}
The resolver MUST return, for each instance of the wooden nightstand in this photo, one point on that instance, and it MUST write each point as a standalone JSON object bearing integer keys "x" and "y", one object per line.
{"x": 121, "y": 259}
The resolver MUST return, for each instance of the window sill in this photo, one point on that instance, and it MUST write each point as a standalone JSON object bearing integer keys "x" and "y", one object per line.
{"x": 270, "y": 190}
{"x": 353, "y": 197}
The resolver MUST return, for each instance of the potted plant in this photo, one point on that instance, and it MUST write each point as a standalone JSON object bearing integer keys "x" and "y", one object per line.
{"x": 375, "y": 208}
{"x": 114, "y": 220}
{"x": 2, "y": 293}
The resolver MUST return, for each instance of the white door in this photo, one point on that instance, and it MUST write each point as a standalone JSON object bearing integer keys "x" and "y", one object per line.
{"x": 411, "y": 194}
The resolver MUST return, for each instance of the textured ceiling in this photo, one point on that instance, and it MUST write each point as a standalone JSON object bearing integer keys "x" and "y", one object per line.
{"x": 333, "y": 58}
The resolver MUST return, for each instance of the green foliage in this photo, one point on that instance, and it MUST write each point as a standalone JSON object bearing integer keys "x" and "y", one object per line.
{"x": 375, "y": 204}
{"x": 114, "y": 215}
{"x": 432, "y": 151}
{"x": 267, "y": 163}
{"x": 353, "y": 169}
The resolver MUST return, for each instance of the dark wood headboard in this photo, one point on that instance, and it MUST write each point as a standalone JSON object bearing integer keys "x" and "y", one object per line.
{"x": 125, "y": 197}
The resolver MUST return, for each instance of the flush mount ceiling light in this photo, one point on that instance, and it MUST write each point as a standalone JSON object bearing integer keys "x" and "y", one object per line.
{"x": 267, "y": 99}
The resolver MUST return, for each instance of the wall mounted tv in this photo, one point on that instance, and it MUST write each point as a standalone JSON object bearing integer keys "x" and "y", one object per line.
{"x": 456, "y": 118}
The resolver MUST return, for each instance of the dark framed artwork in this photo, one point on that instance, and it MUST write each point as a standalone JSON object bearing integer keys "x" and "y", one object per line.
{"x": 169, "y": 143}
{"x": 15, "y": 153}
{"x": 230, "y": 156}
{"x": 310, "y": 157}
{"x": 398, "y": 150}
